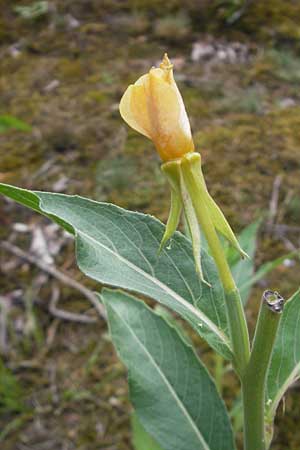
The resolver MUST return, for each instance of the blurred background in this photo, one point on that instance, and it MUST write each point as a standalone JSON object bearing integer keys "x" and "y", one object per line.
{"x": 64, "y": 66}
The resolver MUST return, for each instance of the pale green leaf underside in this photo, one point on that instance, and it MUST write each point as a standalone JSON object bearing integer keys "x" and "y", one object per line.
{"x": 173, "y": 395}
{"x": 120, "y": 248}
{"x": 285, "y": 364}
{"x": 140, "y": 438}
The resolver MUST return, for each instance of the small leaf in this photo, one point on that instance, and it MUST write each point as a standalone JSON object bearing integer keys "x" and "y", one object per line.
{"x": 8, "y": 122}
{"x": 34, "y": 10}
{"x": 243, "y": 269}
{"x": 267, "y": 267}
{"x": 173, "y": 395}
{"x": 285, "y": 363}
{"x": 11, "y": 392}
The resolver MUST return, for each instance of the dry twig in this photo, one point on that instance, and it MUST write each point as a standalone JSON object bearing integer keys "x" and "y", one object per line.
{"x": 62, "y": 277}
{"x": 66, "y": 315}
{"x": 3, "y": 326}
{"x": 274, "y": 201}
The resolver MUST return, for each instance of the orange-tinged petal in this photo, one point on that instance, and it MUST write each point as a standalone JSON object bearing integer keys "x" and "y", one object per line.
{"x": 134, "y": 112}
{"x": 154, "y": 107}
{"x": 172, "y": 133}
{"x": 140, "y": 110}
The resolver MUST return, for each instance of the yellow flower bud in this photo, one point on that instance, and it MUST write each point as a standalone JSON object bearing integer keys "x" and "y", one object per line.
{"x": 154, "y": 107}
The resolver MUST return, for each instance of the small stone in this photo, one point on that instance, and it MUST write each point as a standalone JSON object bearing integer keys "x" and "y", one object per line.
{"x": 52, "y": 86}
{"x": 289, "y": 262}
{"x": 202, "y": 51}
{"x": 287, "y": 103}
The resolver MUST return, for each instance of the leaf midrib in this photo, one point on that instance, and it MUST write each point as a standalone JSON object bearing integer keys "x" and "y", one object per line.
{"x": 202, "y": 317}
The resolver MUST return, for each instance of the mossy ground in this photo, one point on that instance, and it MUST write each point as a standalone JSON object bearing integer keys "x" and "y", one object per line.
{"x": 66, "y": 81}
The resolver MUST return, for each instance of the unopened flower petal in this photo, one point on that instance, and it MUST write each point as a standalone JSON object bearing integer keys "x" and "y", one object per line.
{"x": 134, "y": 111}
{"x": 154, "y": 107}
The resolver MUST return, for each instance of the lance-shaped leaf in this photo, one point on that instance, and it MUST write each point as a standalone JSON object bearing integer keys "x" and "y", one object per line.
{"x": 264, "y": 269}
{"x": 285, "y": 364}
{"x": 173, "y": 395}
{"x": 120, "y": 248}
{"x": 243, "y": 269}
{"x": 8, "y": 122}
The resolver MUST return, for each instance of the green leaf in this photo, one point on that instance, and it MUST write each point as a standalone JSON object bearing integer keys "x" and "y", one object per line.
{"x": 141, "y": 439}
{"x": 173, "y": 395}
{"x": 11, "y": 392}
{"x": 173, "y": 322}
{"x": 285, "y": 364}
{"x": 120, "y": 248}
{"x": 8, "y": 122}
{"x": 267, "y": 267}
{"x": 243, "y": 269}
{"x": 34, "y": 10}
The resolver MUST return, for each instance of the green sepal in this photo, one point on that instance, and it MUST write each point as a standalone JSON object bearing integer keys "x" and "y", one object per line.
{"x": 180, "y": 197}
{"x": 194, "y": 229}
{"x": 173, "y": 219}
{"x": 222, "y": 225}
{"x": 216, "y": 215}
{"x": 172, "y": 171}
{"x": 179, "y": 173}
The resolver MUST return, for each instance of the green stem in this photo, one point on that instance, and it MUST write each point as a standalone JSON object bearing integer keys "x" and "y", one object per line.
{"x": 235, "y": 311}
{"x": 238, "y": 330}
{"x": 254, "y": 380}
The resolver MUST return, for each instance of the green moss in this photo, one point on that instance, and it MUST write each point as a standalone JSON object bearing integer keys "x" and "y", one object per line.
{"x": 244, "y": 141}
{"x": 273, "y": 19}
{"x": 197, "y": 101}
{"x": 276, "y": 65}
{"x": 249, "y": 100}
{"x": 95, "y": 96}
{"x": 13, "y": 156}
{"x": 155, "y": 5}
{"x": 173, "y": 28}
{"x": 243, "y": 157}
{"x": 71, "y": 69}
{"x": 293, "y": 208}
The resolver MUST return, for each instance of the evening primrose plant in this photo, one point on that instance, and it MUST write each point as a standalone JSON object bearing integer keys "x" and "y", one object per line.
{"x": 176, "y": 403}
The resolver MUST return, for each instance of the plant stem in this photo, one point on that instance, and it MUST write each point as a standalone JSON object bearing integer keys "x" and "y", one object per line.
{"x": 254, "y": 380}
{"x": 235, "y": 311}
